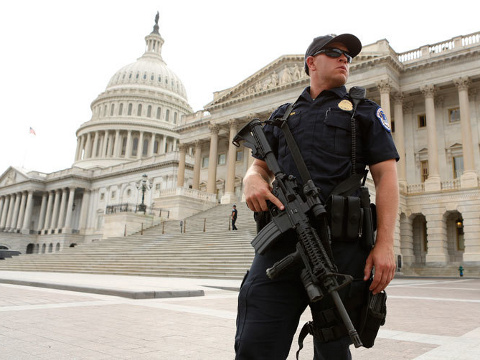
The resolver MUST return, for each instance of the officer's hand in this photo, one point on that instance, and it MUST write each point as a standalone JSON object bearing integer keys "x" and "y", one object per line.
{"x": 382, "y": 258}
{"x": 257, "y": 192}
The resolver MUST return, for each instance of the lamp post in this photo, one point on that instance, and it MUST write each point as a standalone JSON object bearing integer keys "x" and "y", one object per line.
{"x": 143, "y": 186}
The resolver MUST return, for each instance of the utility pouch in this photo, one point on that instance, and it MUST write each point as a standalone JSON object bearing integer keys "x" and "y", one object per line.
{"x": 346, "y": 217}
{"x": 373, "y": 316}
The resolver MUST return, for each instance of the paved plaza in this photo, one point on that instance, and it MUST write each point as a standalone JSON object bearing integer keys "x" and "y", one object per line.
{"x": 126, "y": 317}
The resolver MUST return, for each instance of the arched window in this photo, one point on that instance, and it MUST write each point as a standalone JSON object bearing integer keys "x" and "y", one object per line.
{"x": 139, "y": 110}
{"x": 155, "y": 147}
{"x": 124, "y": 145}
{"x": 57, "y": 248}
{"x": 167, "y": 115}
{"x": 159, "y": 112}
{"x": 120, "y": 110}
{"x": 112, "y": 109}
{"x": 130, "y": 106}
{"x": 149, "y": 111}
{"x": 145, "y": 147}
{"x": 135, "y": 146}
{"x": 175, "y": 117}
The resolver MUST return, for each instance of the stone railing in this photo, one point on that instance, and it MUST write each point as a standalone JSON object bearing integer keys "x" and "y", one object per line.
{"x": 441, "y": 47}
{"x": 191, "y": 193}
{"x": 444, "y": 185}
{"x": 126, "y": 207}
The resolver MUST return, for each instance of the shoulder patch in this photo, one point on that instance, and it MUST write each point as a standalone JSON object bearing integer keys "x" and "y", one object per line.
{"x": 383, "y": 119}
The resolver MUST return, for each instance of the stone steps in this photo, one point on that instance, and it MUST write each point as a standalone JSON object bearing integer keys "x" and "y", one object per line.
{"x": 159, "y": 251}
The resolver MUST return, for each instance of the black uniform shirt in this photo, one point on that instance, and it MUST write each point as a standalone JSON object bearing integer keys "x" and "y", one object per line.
{"x": 322, "y": 130}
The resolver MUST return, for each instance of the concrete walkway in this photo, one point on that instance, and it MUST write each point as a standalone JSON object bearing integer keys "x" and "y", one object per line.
{"x": 75, "y": 316}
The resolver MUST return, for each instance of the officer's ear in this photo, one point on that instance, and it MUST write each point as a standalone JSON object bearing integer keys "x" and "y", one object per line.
{"x": 310, "y": 63}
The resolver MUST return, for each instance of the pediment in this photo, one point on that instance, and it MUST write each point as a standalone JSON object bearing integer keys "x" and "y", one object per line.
{"x": 12, "y": 176}
{"x": 284, "y": 71}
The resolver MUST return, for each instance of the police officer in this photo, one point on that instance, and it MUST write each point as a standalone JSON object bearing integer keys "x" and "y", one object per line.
{"x": 269, "y": 310}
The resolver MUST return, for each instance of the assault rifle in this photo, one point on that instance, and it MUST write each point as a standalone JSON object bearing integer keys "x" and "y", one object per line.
{"x": 319, "y": 274}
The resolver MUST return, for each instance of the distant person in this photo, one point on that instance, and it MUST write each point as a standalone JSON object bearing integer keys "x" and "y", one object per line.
{"x": 234, "y": 217}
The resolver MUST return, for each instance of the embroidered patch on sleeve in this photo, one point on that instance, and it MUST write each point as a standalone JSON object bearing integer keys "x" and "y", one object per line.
{"x": 383, "y": 119}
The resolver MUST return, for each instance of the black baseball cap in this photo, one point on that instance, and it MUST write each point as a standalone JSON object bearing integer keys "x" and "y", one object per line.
{"x": 352, "y": 43}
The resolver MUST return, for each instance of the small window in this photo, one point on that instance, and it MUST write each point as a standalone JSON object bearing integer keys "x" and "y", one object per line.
{"x": 145, "y": 147}
{"x": 167, "y": 115}
{"x": 144, "y": 76}
{"x": 239, "y": 156}
{"x": 422, "y": 121}
{"x": 135, "y": 146}
{"x": 205, "y": 162}
{"x": 222, "y": 159}
{"x": 136, "y": 77}
{"x": 457, "y": 167}
{"x": 159, "y": 112}
{"x": 453, "y": 115}
{"x": 159, "y": 78}
{"x": 130, "y": 107}
{"x": 139, "y": 110}
{"x": 175, "y": 118}
{"x": 102, "y": 196}
{"x": 120, "y": 109}
{"x": 112, "y": 109}
{"x": 424, "y": 168}
{"x": 124, "y": 145}
{"x": 114, "y": 193}
{"x": 149, "y": 111}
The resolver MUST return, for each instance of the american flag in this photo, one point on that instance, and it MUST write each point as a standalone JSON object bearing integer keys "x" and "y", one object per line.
{"x": 32, "y": 131}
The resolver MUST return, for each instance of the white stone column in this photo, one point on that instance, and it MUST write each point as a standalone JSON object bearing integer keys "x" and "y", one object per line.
{"x": 28, "y": 214}
{"x": 88, "y": 147}
{"x": 104, "y": 145}
{"x": 212, "y": 161}
{"x": 197, "y": 165}
{"x": 433, "y": 181}
{"x": 82, "y": 226}
{"x": 2, "y": 202}
{"x": 437, "y": 253}
{"x": 56, "y": 204}
{"x": 385, "y": 88}
{"x": 406, "y": 240}
{"x": 43, "y": 208}
{"x": 400, "y": 141}
{"x": 95, "y": 144}
{"x": 128, "y": 149}
{"x": 67, "y": 229}
{"x": 181, "y": 166}
{"x": 117, "y": 146}
{"x": 229, "y": 195}
{"x": 48, "y": 214}
{"x": 110, "y": 141}
{"x": 81, "y": 154}
{"x": 140, "y": 146}
{"x": 151, "y": 145}
{"x": 77, "y": 151}
{"x": 21, "y": 212}
{"x": 62, "y": 211}
{"x": 471, "y": 229}
{"x": 469, "y": 177}
{"x": 8, "y": 224}
{"x": 6, "y": 206}
{"x": 13, "y": 224}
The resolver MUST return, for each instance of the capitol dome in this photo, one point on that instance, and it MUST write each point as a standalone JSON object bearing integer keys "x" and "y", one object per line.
{"x": 136, "y": 116}
{"x": 149, "y": 71}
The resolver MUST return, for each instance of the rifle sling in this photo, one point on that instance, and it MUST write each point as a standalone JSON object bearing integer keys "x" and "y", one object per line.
{"x": 292, "y": 145}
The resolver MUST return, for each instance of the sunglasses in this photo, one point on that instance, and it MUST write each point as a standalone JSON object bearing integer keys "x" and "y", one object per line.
{"x": 335, "y": 53}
